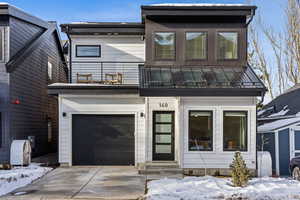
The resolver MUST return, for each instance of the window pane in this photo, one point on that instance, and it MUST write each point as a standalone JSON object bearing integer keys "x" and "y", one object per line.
{"x": 163, "y": 139}
{"x": 164, "y": 45}
{"x": 200, "y": 131}
{"x": 195, "y": 45}
{"x": 1, "y": 46}
{"x": 235, "y": 131}
{"x": 88, "y": 51}
{"x": 163, "y": 128}
{"x": 163, "y": 149}
{"x": 227, "y": 45}
{"x": 163, "y": 118}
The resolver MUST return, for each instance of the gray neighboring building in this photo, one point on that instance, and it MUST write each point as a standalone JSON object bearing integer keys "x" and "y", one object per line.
{"x": 31, "y": 57}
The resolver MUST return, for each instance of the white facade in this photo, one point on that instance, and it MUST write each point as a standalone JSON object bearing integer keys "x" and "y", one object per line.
{"x": 133, "y": 104}
{"x": 123, "y": 49}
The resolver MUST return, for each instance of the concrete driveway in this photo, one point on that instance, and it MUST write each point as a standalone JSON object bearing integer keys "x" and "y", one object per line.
{"x": 101, "y": 182}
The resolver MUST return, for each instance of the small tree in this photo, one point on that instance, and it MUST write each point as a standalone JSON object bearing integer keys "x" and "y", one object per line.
{"x": 239, "y": 171}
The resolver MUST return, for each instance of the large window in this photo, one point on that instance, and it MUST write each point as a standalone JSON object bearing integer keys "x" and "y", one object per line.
{"x": 227, "y": 45}
{"x": 200, "y": 131}
{"x": 164, "y": 45}
{"x": 88, "y": 51}
{"x": 235, "y": 131}
{"x": 196, "y": 43}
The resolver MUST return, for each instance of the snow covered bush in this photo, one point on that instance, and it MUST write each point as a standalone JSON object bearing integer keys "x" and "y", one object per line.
{"x": 239, "y": 171}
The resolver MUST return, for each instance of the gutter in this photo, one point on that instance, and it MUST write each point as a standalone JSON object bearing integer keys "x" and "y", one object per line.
{"x": 70, "y": 53}
{"x": 251, "y": 17}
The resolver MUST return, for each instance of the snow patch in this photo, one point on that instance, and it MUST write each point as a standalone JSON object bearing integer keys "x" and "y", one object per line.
{"x": 207, "y": 187}
{"x": 277, "y": 124}
{"x": 280, "y": 113}
{"x": 18, "y": 177}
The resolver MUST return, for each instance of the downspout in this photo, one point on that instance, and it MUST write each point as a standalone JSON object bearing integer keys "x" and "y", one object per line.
{"x": 70, "y": 54}
{"x": 261, "y": 100}
{"x": 251, "y": 17}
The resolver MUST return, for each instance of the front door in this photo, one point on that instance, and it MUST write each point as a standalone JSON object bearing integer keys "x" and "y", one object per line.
{"x": 163, "y": 135}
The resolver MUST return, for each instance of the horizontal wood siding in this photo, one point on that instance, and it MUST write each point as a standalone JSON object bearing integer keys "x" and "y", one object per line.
{"x": 99, "y": 105}
{"x": 28, "y": 83}
{"x": 113, "y": 49}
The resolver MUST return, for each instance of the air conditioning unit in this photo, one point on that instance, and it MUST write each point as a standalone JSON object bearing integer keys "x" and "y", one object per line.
{"x": 20, "y": 152}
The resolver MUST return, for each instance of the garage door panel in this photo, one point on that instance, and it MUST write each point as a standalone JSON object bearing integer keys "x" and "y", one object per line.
{"x": 103, "y": 140}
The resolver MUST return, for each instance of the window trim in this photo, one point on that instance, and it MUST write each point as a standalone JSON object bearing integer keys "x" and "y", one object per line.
{"x": 86, "y": 45}
{"x": 154, "y": 51}
{"x": 217, "y": 45}
{"x": 206, "y": 46}
{"x": 247, "y": 130}
{"x": 2, "y": 30}
{"x": 213, "y": 130}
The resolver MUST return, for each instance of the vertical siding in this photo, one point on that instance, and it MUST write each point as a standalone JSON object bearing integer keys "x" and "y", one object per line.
{"x": 28, "y": 83}
{"x": 4, "y": 99}
{"x": 99, "y": 105}
{"x": 284, "y": 151}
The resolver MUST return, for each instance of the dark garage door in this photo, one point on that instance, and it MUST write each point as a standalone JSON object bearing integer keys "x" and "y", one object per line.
{"x": 103, "y": 139}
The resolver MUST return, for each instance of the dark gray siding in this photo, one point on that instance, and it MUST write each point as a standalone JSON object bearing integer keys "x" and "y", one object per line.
{"x": 21, "y": 33}
{"x": 28, "y": 83}
{"x": 284, "y": 151}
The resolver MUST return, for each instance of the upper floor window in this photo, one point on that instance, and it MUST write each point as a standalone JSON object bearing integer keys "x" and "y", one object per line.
{"x": 227, "y": 45}
{"x": 88, "y": 50}
{"x": 200, "y": 130}
{"x": 1, "y": 44}
{"x": 164, "y": 45}
{"x": 196, "y": 45}
{"x": 235, "y": 131}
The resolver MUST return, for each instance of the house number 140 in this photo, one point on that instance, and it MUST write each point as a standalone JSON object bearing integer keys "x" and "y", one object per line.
{"x": 163, "y": 105}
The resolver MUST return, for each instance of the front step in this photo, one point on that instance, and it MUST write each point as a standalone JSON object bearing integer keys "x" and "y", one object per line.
{"x": 157, "y": 170}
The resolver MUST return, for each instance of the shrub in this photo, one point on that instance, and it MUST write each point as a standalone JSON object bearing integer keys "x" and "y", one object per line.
{"x": 239, "y": 171}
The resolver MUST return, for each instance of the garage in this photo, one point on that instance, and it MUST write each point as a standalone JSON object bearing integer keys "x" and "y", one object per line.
{"x": 103, "y": 139}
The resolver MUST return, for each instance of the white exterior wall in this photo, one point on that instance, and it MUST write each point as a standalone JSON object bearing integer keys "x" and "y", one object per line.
{"x": 218, "y": 158}
{"x": 80, "y": 104}
{"x": 113, "y": 49}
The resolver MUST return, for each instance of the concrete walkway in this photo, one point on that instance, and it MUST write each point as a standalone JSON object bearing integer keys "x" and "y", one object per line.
{"x": 103, "y": 182}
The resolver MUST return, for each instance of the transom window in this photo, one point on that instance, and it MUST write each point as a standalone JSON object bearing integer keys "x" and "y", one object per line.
{"x": 235, "y": 131}
{"x": 200, "y": 130}
{"x": 88, "y": 50}
{"x": 164, "y": 45}
{"x": 227, "y": 45}
{"x": 196, "y": 43}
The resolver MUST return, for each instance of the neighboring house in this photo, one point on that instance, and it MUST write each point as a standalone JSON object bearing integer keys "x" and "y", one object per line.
{"x": 174, "y": 89}
{"x": 31, "y": 58}
{"x": 279, "y": 129}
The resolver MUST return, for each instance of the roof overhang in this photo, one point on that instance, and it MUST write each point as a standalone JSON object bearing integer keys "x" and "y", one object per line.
{"x": 90, "y": 89}
{"x": 104, "y": 28}
{"x": 197, "y": 10}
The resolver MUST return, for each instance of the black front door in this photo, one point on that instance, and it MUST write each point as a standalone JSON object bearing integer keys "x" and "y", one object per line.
{"x": 163, "y": 135}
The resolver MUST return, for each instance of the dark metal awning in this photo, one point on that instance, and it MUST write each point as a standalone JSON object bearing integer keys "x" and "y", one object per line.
{"x": 200, "y": 81}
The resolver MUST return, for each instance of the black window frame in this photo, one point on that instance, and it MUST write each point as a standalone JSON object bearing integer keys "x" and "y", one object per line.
{"x": 206, "y": 46}
{"x": 247, "y": 124}
{"x": 154, "y": 49}
{"x": 212, "y": 126}
{"x": 78, "y": 56}
{"x": 217, "y": 45}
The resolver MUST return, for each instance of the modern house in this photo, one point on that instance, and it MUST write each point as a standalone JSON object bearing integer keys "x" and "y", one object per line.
{"x": 30, "y": 58}
{"x": 279, "y": 129}
{"x": 174, "y": 90}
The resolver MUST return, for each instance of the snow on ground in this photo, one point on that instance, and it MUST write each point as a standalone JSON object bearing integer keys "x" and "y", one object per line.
{"x": 208, "y": 187}
{"x": 20, "y": 176}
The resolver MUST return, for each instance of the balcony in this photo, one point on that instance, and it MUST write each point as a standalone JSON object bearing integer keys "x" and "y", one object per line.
{"x": 109, "y": 73}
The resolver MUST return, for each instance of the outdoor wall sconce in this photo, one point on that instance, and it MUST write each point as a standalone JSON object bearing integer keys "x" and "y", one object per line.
{"x": 64, "y": 114}
{"x": 142, "y": 114}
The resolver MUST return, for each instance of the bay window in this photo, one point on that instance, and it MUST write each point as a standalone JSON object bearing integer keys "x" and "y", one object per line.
{"x": 164, "y": 45}
{"x": 235, "y": 131}
{"x": 200, "y": 130}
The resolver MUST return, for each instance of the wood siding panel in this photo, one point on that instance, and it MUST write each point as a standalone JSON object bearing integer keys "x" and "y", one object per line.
{"x": 28, "y": 83}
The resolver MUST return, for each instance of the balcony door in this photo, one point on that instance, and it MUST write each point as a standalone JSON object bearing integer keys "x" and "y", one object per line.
{"x": 163, "y": 135}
